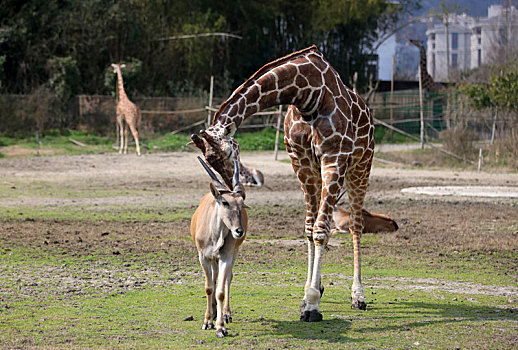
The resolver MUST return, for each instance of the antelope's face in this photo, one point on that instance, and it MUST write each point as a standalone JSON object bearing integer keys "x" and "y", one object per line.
{"x": 229, "y": 209}
{"x": 220, "y": 150}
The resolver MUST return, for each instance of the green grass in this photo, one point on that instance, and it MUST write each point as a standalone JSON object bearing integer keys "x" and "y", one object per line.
{"x": 265, "y": 303}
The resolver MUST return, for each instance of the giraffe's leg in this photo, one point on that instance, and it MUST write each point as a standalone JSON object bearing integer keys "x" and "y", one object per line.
{"x": 121, "y": 128}
{"x": 356, "y": 182}
{"x": 310, "y": 183}
{"x": 134, "y": 132}
{"x": 331, "y": 185}
{"x": 125, "y": 138}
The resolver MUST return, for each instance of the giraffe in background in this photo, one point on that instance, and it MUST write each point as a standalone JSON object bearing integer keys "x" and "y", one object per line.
{"x": 329, "y": 135}
{"x": 428, "y": 83}
{"x": 128, "y": 113}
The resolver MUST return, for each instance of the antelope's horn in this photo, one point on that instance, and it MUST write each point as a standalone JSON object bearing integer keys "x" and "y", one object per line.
{"x": 235, "y": 180}
{"x": 211, "y": 173}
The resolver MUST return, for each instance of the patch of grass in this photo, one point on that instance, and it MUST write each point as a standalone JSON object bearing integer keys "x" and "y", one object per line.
{"x": 263, "y": 140}
{"x": 264, "y": 300}
{"x": 93, "y": 212}
{"x": 384, "y": 135}
{"x": 170, "y": 142}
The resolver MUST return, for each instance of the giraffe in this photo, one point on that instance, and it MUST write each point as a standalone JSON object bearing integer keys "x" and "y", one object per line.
{"x": 428, "y": 83}
{"x": 128, "y": 113}
{"x": 329, "y": 138}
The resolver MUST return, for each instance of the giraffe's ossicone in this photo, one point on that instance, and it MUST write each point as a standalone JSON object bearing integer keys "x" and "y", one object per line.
{"x": 329, "y": 137}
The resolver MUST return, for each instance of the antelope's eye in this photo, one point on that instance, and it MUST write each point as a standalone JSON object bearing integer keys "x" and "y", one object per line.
{"x": 225, "y": 203}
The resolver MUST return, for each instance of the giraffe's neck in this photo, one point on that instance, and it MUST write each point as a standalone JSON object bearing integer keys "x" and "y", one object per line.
{"x": 280, "y": 82}
{"x": 121, "y": 94}
{"x": 422, "y": 62}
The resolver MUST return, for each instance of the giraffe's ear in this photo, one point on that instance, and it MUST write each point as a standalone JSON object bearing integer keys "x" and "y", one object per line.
{"x": 196, "y": 141}
{"x": 230, "y": 130}
{"x": 114, "y": 65}
{"x": 192, "y": 146}
{"x": 123, "y": 66}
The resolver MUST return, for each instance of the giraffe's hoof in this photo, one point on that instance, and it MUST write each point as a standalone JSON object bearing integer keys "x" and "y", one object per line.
{"x": 359, "y": 305}
{"x": 311, "y": 316}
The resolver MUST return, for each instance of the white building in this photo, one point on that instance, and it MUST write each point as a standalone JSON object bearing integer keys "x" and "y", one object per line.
{"x": 472, "y": 41}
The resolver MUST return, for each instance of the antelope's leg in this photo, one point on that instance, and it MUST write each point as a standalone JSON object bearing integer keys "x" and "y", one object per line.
{"x": 227, "y": 314}
{"x": 357, "y": 180}
{"x": 209, "y": 291}
{"x": 224, "y": 276}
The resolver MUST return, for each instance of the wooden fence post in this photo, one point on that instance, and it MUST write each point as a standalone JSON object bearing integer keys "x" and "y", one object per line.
{"x": 421, "y": 107}
{"x": 211, "y": 90}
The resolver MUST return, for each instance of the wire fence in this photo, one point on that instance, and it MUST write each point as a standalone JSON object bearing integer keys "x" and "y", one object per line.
{"x": 96, "y": 113}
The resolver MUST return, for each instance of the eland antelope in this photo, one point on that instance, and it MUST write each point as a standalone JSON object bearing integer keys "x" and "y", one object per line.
{"x": 372, "y": 222}
{"x": 218, "y": 227}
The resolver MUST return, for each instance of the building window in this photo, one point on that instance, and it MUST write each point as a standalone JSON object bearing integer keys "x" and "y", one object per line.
{"x": 478, "y": 30}
{"x": 479, "y": 57}
{"x": 454, "y": 60}
{"x": 479, "y": 41}
{"x": 433, "y": 36}
{"x": 455, "y": 40}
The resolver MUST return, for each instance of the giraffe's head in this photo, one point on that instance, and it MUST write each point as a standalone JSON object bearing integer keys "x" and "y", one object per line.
{"x": 117, "y": 67}
{"x": 219, "y": 148}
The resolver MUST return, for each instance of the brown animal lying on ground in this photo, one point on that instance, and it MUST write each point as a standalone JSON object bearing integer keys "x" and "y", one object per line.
{"x": 372, "y": 222}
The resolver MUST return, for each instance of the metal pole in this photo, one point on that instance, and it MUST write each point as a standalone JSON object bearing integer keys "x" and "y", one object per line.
{"x": 421, "y": 107}
{"x": 209, "y": 114}
{"x": 37, "y": 143}
{"x": 493, "y": 126}
{"x": 392, "y": 100}
{"x": 279, "y": 116}
{"x": 480, "y": 160}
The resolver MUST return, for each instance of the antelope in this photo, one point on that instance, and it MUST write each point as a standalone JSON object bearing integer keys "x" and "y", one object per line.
{"x": 372, "y": 222}
{"x": 218, "y": 228}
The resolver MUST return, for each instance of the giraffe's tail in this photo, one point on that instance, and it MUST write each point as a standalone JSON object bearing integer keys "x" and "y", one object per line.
{"x": 339, "y": 197}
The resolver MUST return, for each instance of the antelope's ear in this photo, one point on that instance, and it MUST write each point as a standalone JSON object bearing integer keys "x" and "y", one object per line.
{"x": 230, "y": 130}
{"x": 245, "y": 206}
{"x": 215, "y": 192}
{"x": 198, "y": 142}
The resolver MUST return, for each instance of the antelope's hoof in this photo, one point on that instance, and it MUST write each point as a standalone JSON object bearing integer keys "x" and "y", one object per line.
{"x": 321, "y": 290}
{"x": 302, "y": 307}
{"x": 221, "y": 333}
{"x": 207, "y": 326}
{"x": 359, "y": 305}
{"x": 311, "y": 316}
{"x": 227, "y": 318}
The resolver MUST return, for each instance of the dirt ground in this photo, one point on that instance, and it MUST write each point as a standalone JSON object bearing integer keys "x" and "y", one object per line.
{"x": 173, "y": 181}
